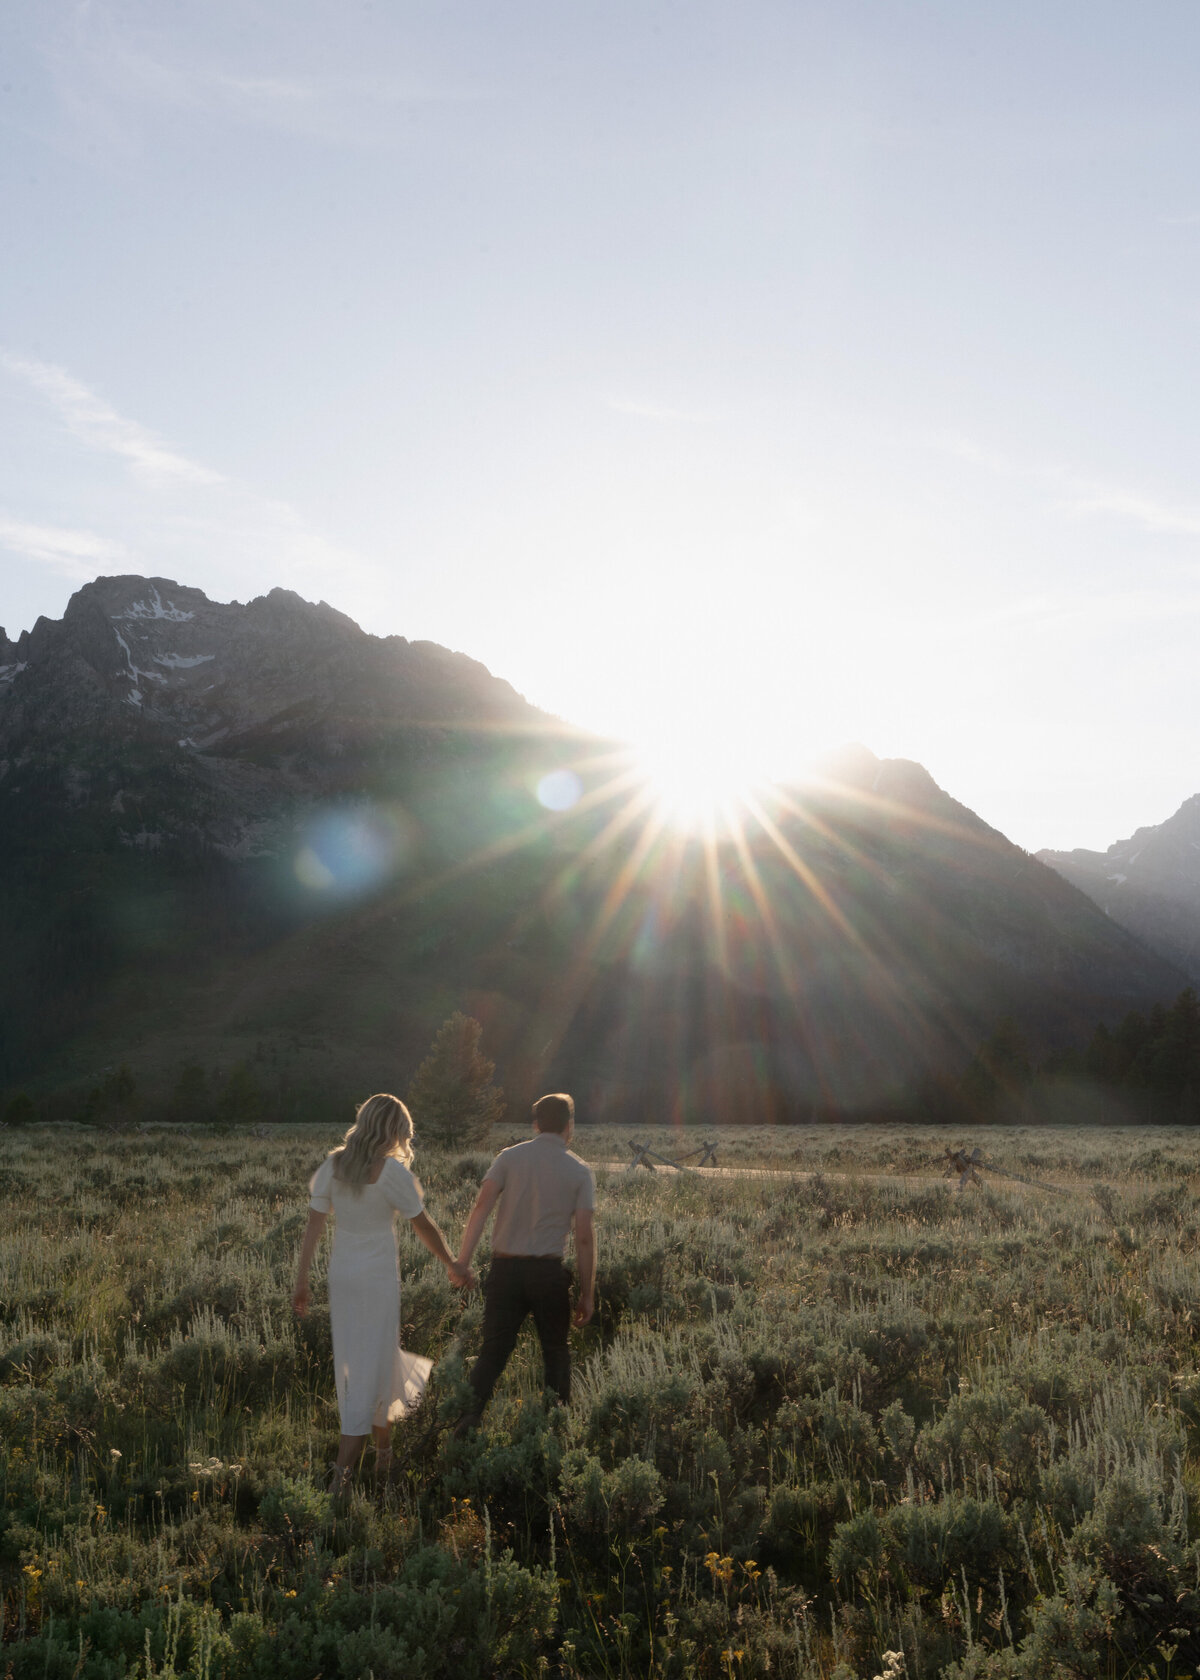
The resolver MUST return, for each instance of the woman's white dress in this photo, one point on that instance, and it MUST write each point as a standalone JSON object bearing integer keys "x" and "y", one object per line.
{"x": 376, "y": 1381}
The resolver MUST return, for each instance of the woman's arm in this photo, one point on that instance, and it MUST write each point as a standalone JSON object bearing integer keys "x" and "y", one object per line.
{"x": 308, "y": 1247}
{"x": 436, "y": 1243}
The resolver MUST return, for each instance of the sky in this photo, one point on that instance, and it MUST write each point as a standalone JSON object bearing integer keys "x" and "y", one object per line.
{"x": 741, "y": 379}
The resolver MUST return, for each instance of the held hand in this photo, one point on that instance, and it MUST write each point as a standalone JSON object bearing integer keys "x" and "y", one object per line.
{"x": 583, "y": 1310}
{"x": 300, "y": 1300}
{"x": 461, "y": 1275}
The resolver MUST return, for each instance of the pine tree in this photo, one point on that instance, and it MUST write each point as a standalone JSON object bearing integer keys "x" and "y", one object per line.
{"x": 997, "y": 1080}
{"x": 112, "y": 1100}
{"x": 452, "y": 1097}
{"x": 1175, "y": 1061}
{"x": 119, "y": 1087}
{"x": 1103, "y": 1060}
{"x": 190, "y": 1100}
{"x": 1131, "y": 1044}
{"x": 243, "y": 1101}
{"x": 20, "y": 1111}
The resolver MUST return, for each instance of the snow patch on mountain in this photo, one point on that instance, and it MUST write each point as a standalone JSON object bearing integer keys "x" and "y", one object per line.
{"x": 136, "y": 672}
{"x": 146, "y": 839}
{"x": 156, "y": 607}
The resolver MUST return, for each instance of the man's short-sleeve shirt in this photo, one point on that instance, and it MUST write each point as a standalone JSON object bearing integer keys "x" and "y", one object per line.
{"x": 542, "y": 1187}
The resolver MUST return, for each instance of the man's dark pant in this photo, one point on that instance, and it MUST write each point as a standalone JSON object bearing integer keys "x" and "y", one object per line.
{"x": 517, "y": 1285}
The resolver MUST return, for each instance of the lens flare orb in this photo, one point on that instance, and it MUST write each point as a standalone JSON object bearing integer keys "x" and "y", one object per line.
{"x": 350, "y": 851}
{"x": 559, "y": 790}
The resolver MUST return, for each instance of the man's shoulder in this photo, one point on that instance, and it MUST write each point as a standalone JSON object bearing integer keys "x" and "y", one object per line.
{"x": 541, "y": 1159}
{"x": 512, "y": 1152}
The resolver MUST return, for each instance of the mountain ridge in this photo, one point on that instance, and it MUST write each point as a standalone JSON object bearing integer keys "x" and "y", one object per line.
{"x": 1148, "y": 883}
{"x": 253, "y": 831}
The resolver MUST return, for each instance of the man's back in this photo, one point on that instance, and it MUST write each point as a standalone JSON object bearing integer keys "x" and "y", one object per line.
{"x": 540, "y": 1191}
{"x": 542, "y": 1186}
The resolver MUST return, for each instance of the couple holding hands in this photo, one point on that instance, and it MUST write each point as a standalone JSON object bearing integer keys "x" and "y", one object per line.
{"x": 540, "y": 1191}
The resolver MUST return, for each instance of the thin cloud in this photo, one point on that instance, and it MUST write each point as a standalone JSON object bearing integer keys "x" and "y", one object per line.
{"x": 1061, "y": 615}
{"x": 145, "y": 79}
{"x": 108, "y": 82}
{"x": 349, "y": 91}
{"x": 659, "y": 411}
{"x": 1078, "y": 497}
{"x": 267, "y": 88}
{"x": 963, "y": 448}
{"x": 1162, "y": 518}
{"x": 196, "y": 523}
{"x": 76, "y": 554}
{"x": 97, "y": 424}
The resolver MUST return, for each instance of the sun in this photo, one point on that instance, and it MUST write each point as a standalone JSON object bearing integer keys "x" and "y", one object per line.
{"x": 697, "y": 783}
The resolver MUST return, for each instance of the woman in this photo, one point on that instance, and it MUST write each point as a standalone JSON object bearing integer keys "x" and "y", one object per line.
{"x": 367, "y": 1182}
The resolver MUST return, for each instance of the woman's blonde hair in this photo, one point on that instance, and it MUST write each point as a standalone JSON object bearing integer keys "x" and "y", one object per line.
{"x": 382, "y": 1126}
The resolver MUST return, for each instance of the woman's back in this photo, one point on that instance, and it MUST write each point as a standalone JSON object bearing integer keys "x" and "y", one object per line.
{"x": 367, "y": 1212}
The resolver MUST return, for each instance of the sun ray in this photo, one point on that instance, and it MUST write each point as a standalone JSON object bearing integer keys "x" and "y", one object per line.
{"x": 638, "y": 846}
{"x": 805, "y": 873}
{"x": 881, "y": 806}
{"x": 507, "y": 844}
{"x": 763, "y": 904}
{"x": 716, "y": 907}
{"x": 572, "y": 872}
{"x": 562, "y": 1004}
{"x": 890, "y": 992}
{"x": 895, "y": 998}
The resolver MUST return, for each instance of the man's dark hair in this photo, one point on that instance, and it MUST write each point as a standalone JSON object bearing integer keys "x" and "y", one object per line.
{"x": 554, "y": 1113}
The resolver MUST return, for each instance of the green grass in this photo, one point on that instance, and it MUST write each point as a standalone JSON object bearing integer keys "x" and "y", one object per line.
{"x": 817, "y": 1418}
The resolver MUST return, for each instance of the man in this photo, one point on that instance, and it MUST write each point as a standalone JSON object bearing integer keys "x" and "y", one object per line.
{"x": 541, "y": 1191}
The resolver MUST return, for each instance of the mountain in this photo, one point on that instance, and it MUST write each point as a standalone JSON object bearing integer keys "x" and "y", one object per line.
{"x": 1149, "y": 884}
{"x": 296, "y": 691}
{"x": 255, "y": 841}
{"x": 184, "y": 785}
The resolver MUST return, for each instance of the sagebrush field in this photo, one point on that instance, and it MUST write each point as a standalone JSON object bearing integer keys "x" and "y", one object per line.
{"x": 817, "y": 1419}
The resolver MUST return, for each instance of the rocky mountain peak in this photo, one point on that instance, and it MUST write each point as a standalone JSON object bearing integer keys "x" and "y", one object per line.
{"x": 134, "y": 597}
{"x": 1161, "y": 857}
{"x": 157, "y": 655}
{"x": 850, "y": 765}
{"x": 1149, "y": 883}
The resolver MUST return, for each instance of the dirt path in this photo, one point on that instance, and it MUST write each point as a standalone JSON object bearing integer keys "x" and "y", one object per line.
{"x": 673, "y": 1171}
{"x": 792, "y": 1175}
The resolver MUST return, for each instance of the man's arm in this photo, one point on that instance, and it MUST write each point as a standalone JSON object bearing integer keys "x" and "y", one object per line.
{"x": 308, "y": 1247}
{"x": 585, "y": 1257}
{"x": 489, "y": 1192}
